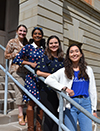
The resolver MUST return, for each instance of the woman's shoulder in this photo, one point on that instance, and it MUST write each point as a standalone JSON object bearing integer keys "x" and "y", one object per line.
{"x": 89, "y": 69}
{"x": 13, "y": 40}
{"x": 12, "y": 43}
{"x": 61, "y": 70}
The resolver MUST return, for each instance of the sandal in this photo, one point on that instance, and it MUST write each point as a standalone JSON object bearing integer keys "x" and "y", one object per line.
{"x": 26, "y": 119}
{"x": 22, "y": 122}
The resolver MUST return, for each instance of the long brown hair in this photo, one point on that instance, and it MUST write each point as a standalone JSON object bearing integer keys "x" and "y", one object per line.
{"x": 60, "y": 53}
{"x": 69, "y": 67}
{"x": 25, "y": 41}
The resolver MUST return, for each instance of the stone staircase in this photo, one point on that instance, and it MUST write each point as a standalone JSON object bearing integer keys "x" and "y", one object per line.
{"x": 9, "y": 122}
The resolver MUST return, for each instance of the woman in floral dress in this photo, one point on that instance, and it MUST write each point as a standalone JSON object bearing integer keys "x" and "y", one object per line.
{"x": 33, "y": 53}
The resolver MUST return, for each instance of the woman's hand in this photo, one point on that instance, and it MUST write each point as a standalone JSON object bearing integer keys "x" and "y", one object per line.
{"x": 43, "y": 74}
{"x": 33, "y": 64}
{"x": 70, "y": 92}
{"x": 95, "y": 114}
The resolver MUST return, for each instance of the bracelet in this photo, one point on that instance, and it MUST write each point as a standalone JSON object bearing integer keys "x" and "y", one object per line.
{"x": 94, "y": 111}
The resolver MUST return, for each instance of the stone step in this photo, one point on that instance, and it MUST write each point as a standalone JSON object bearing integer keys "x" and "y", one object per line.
{"x": 2, "y": 73}
{"x": 9, "y": 122}
{"x": 11, "y": 94}
{"x": 10, "y": 86}
{"x": 14, "y": 126}
{"x": 12, "y": 116}
{"x": 2, "y": 79}
{"x": 10, "y": 105}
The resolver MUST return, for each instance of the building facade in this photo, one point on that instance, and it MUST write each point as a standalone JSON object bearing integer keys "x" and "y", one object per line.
{"x": 73, "y": 21}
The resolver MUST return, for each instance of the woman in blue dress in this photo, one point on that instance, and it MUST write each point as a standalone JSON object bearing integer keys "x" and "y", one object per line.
{"x": 51, "y": 61}
{"x": 33, "y": 53}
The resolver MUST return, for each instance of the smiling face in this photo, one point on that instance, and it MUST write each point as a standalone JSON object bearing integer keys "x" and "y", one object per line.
{"x": 21, "y": 32}
{"x": 37, "y": 36}
{"x": 53, "y": 45}
{"x": 75, "y": 54}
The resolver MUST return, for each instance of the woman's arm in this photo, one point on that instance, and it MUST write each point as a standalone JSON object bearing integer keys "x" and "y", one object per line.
{"x": 29, "y": 63}
{"x": 20, "y": 58}
{"x": 43, "y": 74}
{"x": 42, "y": 67}
{"x": 56, "y": 80}
{"x": 92, "y": 89}
{"x": 9, "y": 52}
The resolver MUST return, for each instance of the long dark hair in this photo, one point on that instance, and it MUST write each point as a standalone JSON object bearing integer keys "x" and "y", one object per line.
{"x": 25, "y": 41}
{"x": 60, "y": 53}
{"x": 69, "y": 67}
{"x": 42, "y": 42}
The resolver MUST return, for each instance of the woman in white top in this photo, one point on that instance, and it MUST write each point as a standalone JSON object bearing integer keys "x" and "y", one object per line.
{"x": 79, "y": 77}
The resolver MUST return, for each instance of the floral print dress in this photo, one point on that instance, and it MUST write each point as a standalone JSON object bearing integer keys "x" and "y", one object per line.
{"x": 31, "y": 82}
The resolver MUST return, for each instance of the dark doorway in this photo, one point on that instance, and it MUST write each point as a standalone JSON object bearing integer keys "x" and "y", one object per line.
{"x": 2, "y": 14}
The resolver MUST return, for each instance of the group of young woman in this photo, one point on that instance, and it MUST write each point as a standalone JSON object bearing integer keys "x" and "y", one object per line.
{"x": 70, "y": 74}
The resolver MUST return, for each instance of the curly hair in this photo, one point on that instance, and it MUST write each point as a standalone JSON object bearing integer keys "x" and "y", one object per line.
{"x": 69, "y": 66}
{"x": 60, "y": 53}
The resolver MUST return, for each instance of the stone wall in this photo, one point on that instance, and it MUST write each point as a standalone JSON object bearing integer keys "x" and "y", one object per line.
{"x": 96, "y": 4}
{"x": 47, "y": 14}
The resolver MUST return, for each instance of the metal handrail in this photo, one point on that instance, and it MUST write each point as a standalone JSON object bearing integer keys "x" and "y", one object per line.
{"x": 62, "y": 95}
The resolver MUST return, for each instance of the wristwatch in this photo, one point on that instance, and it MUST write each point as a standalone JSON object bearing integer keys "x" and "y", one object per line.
{"x": 94, "y": 111}
{"x": 64, "y": 88}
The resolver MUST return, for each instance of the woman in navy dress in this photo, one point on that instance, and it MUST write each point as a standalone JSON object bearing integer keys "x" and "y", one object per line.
{"x": 33, "y": 53}
{"x": 51, "y": 61}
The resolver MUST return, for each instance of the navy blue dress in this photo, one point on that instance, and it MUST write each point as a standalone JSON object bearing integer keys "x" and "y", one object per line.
{"x": 49, "y": 66}
{"x": 31, "y": 82}
{"x": 48, "y": 96}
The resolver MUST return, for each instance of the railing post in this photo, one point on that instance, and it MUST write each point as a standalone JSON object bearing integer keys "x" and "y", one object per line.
{"x": 6, "y": 89}
{"x": 60, "y": 112}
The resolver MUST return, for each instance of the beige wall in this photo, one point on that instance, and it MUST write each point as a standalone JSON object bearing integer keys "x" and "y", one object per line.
{"x": 47, "y": 14}
{"x": 96, "y": 4}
